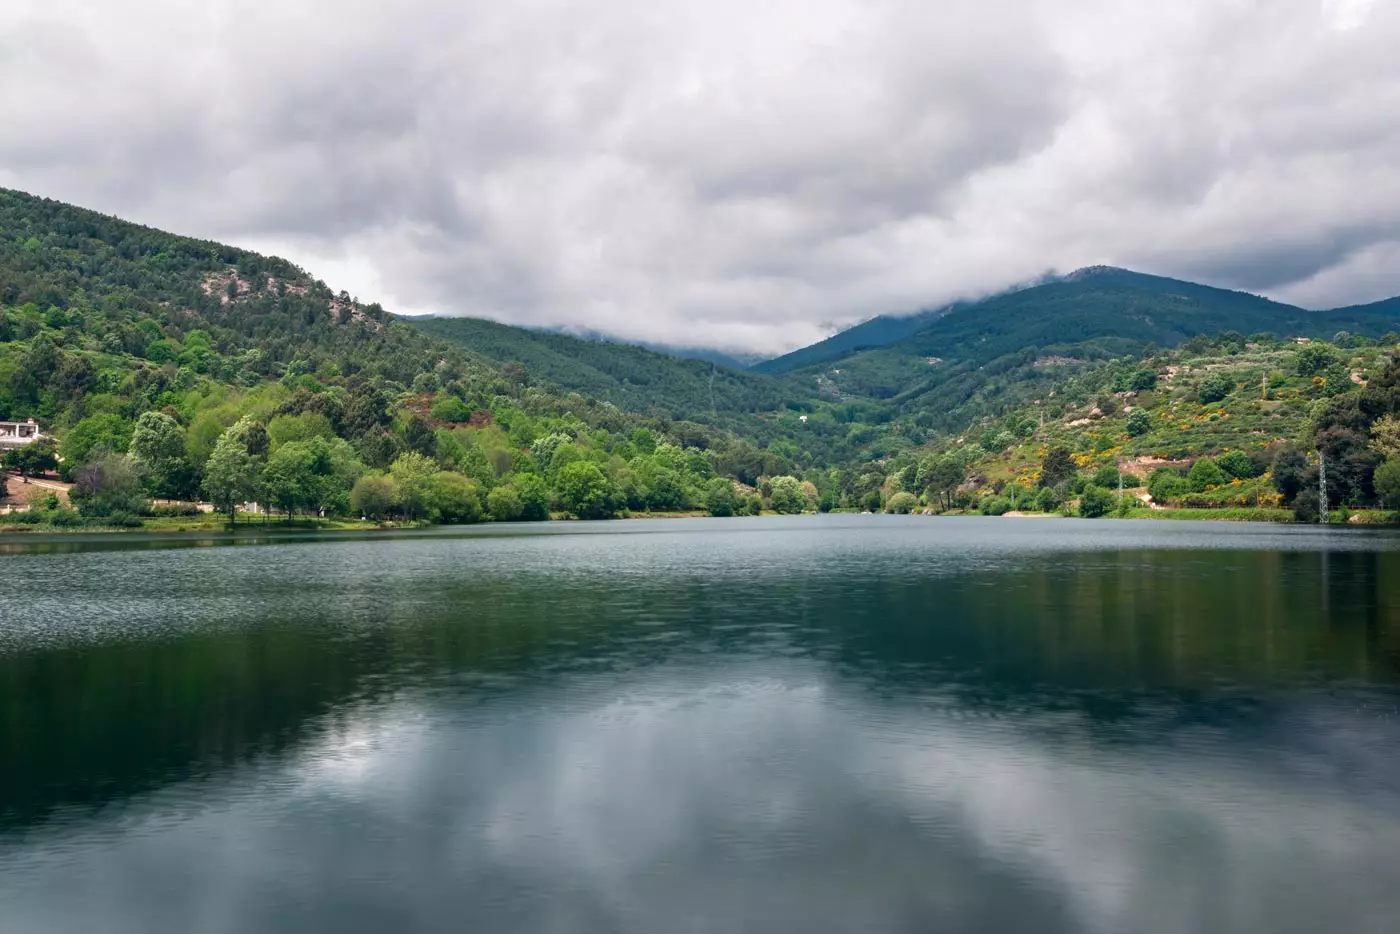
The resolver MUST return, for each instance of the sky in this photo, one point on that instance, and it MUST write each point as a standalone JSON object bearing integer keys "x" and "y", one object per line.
{"x": 742, "y": 175}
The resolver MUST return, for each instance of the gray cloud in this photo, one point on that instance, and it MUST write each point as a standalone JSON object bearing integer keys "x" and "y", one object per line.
{"x": 728, "y": 173}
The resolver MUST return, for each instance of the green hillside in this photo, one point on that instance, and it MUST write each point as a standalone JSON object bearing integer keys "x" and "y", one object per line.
{"x": 1217, "y": 424}
{"x": 173, "y": 368}
{"x": 980, "y": 358}
{"x": 629, "y": 376}
{"x": 877, "y": 332}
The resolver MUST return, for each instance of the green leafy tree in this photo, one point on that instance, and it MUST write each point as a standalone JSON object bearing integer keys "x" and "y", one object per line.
{"x": 1058, "y": 467}
{"x": 1106, "y": 476}
{"x": 1239, "y": 465}
{"x": 303, "y": 426}
{"x": 902, "y": 503}
{"x": 232, "y": 475}
{"x": 1385, "y": 437}
{"x": 455, "y": 498}
{"x": 1095, "y": 502}
{"x": 33, "y": 459}
{"x": 1314, "y": 358}
{"x": 374, "y": 496}
{"x": 504, "y": 505}
{"x": 1387, "y": 483}
{"x": 1165, "y": 485}
{"x": 720, "y": 498}
{"x": 1214, "y": 387}
{"x": 1139, "y": 423}
{"x": 534, "y": 497}
{"x": 586, "y": 491}
{"x": 108, "y": 485}
{"x": 107, "y": 431}
{"x": 941, "y": 476}
{"x": 413, "y": 474}
{"x": 158, "y": 445}
{"x": 1205, "y": 473}
{"x": 1290, "y": 469}
{"x": 787, "y": 497}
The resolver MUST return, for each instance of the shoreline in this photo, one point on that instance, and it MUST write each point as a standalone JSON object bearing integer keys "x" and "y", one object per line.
{"x": 333, "y": 528}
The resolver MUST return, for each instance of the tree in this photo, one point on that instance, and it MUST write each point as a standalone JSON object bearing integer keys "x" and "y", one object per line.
{"x": 1290, "y": 469}
{"x": 586, "y": 491}
{"x": 301, "y": 427}
{"x": 1239, "y": 465}
{"x": 108, "y": 485}
{"x": 534, "y": 497}
{"x": 33, "y": 459}
{"x": 1214, "y": 387}
{"x": 455, "y": 498}
{"x": 1057, "y": 468}
{"x": 787, "y": 497}
{"x": 103, "y": 431}
{"x": 1139, "y": 423}
{"x": 413, "y": 473}
{"x": 1312, "y": 359}
{"x": 1106, "y": 476}
{"x": 503, "y": 503}
{"x": 902, "y": 504}
{"x": 289, "y": 479}
{"x": 720, "y": 497}
{"x": 1095, "y": 502}
{"x": 943, "y": 476}
{"x": 1205, "y": 474}
{"x": 232, "y": 475}
{"x": 1387, "y": 483}
{"x": 1165, "y": 485}
{"x": 1385, "y": 437}
{"x": 158, "y": 445}
{"x": 373, "y": 496}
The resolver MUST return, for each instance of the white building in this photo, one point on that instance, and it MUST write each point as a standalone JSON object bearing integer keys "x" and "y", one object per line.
{"x": 18, "y": 434}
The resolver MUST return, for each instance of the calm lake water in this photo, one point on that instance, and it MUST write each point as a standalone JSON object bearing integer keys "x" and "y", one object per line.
{"x": 775, "y": 725}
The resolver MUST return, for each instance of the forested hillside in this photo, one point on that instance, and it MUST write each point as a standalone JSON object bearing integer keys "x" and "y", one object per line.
{"x": 877, "y": 332}
{"x": 629, "y": 376}
{"x": 173, "y": 368}
{"x": 176, "y": 369}
{"x": 982, "y": 358}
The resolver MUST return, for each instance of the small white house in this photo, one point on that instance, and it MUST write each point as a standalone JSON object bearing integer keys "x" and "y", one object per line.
{"x": 18, "y": 434}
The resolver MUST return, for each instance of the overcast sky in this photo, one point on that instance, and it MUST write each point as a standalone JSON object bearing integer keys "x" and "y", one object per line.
{"x": 745, "y": 174}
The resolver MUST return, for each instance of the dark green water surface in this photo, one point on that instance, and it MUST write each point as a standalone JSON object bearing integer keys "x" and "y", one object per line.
{"x": 782, "y": 725}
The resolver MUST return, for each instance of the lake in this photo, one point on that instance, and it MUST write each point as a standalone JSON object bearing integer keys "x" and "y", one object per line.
{"x": 811, "y": 724}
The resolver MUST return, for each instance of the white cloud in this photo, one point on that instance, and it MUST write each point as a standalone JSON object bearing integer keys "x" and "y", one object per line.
{"x": 728, "y": 173}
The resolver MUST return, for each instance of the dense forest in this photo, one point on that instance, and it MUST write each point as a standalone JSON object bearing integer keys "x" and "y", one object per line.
{"x": 176, "y": 369}
{"x": 169, "y": 371}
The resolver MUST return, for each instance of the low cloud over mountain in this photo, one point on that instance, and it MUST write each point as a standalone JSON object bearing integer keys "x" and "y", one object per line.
{"x": 731, "y": 174}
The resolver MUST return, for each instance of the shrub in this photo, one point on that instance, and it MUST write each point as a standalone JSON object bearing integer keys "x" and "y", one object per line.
{"x": 1313, "y": 359}
{"x": 1106, "y": 476}
{"x": 994, "y": 506}
{"x": 787, "y": 496}
{"x": 1214, "y": 387}
{"x": 450, "y": 409}
{"x": 1166, "y": 485}
{"x": 373, "y": 496}
{"x": 720, "y": 497}
{"x": 1239, "y": 465}
{"x": 1049, "y": 500}
{"x": 1387, "y": 483}
{"x": 1095, "y": 502}
{"x": 454, "y": 497}
{"x": 1204, "y": 474}
{"x": 1139, "y": 424}
{"x": 503, "y": 503}
{"x": 902, "y": 504}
